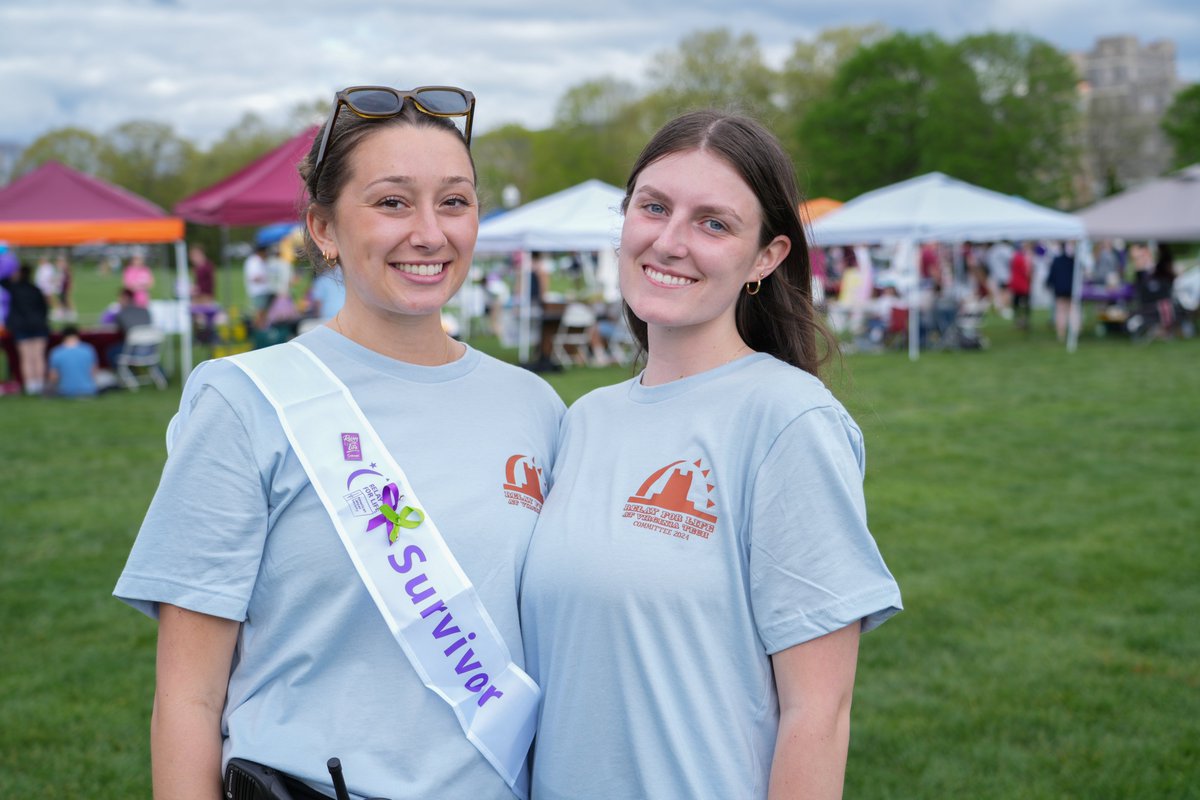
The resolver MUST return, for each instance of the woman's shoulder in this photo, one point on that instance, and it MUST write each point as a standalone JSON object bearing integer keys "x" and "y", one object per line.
{"x": 779, "y": 382}
{"x": 512, "y": 379}
{"x": 782, "y": 393}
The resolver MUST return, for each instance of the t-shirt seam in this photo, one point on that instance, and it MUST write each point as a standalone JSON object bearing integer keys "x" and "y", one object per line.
{"x": 260, "y": 469}
{"x": 775, "y": 441}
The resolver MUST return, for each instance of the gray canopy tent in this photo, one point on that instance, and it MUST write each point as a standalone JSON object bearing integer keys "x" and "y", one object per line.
{"x": 1165, "y": 209}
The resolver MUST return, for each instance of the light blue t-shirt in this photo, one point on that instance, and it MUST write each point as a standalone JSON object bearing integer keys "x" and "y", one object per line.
{"x": 74, "y": 366}
{"x": 235, "y": 530}
{"x": 694, "y": 529}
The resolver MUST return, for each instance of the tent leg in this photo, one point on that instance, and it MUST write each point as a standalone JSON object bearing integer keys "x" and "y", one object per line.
{"x": 1074, "y": 316}
{"x": 183, "y": 289}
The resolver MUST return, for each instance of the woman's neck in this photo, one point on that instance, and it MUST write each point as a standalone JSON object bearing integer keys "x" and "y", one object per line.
{"x": 416, "y": 340}
{"x": 676, "y": 353}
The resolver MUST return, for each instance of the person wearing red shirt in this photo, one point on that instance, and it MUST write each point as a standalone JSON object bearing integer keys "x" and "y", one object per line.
{"x": 1019, "y": 281}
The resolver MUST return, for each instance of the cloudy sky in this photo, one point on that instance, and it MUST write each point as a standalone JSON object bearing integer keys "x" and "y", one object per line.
{"x": 200, "y": 64}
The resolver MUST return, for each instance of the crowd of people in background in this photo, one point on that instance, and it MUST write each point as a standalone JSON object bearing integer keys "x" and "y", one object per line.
{"x": 1135, "y": 284}
{"x": 1137, "y": 287}
{"x": 37, "y": 309}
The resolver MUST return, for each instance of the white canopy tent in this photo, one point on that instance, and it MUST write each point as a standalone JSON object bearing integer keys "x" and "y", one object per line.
{"x": 936, "y": 207}
{"x": 586, "y": 217}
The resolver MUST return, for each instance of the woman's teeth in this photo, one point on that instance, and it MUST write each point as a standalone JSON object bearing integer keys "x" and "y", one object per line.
{"x": 669, "y": 280}
{"x": 420, "y": 269}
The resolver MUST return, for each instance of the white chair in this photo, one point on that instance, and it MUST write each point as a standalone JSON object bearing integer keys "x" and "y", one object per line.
{"x": 574, "y": 330}
{"x": 622, "y": 346}
{"x": 140, "y": 359}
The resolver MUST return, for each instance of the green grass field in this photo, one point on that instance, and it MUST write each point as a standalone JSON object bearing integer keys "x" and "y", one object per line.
{"x": 1040, "y": 511}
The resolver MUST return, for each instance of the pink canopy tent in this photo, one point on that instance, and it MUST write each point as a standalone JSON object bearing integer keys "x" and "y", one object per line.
{"x": 56, "y": 205}
{"x": 264, "y": 192}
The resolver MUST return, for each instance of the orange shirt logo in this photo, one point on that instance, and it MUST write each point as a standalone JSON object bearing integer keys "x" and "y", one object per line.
{"x": 676, "y": 500}
{"x": 523, "y": 483}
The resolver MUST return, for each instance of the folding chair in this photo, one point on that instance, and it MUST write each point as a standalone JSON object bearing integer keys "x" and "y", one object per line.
{"x": 574, "y": 330}
{"x": 140, "y": 359}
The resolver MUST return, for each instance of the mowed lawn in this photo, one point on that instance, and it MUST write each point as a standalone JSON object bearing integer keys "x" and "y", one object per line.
{"x": 1040, "y": 510}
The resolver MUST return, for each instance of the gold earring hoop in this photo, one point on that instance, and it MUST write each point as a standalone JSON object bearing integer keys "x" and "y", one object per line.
{"x": 330, "y": 258}
{"x": 757, "y": 286}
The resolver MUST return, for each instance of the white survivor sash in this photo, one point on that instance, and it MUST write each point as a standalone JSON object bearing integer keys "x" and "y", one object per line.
{"x": 429, "y": 604}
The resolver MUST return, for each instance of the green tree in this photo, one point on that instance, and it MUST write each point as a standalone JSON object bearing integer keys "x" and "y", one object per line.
{"x": 899, "y": 108}
{"x": 75, "y": 147}
{"x": 1033, "y": 126}
{"x": 503, "y": 157}
{"x": 600, "y": 127}
{"x": 1181, "y": 124}
{"x": 712, "y": 69}
{"x": 808, "y": 75}
{"x": 149, "y": 159}
{"x": 243, "y": 142}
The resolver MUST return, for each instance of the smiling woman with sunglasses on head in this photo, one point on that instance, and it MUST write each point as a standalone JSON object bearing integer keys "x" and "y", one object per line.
{"x": 701, "y": 572}
{"x": 334, "y": 548}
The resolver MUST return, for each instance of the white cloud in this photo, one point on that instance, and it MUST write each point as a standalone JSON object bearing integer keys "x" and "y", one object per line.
{"x": 201, "y": 64}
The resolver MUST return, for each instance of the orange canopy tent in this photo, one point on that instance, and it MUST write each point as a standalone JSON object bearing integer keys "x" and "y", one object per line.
{"x": 817, "y": 207}
{"x": 55, "y": 205}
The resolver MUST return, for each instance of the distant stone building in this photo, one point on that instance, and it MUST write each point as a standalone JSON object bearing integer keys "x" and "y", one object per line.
{"x": 1126, "y": 89}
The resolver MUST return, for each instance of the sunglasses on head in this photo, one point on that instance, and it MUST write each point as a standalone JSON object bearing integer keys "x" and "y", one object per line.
{"x": 384, "y": 102}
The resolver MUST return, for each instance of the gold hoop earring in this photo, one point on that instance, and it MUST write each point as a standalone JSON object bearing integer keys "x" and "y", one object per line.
{"x": 330, "y": 258}
{"x": 757, "y": 286}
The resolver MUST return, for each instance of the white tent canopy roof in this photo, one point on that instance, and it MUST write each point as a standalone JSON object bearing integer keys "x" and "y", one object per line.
{"x": 586, "y": 217}
{"x": 939, "y": 208}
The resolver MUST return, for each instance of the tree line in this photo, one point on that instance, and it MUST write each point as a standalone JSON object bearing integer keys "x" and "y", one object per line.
{"x": 857, "y": 108}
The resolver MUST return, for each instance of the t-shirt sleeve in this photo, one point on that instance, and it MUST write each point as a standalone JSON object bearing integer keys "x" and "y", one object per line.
{"x": 201, "y": 542}
{"x": 814, "y": 566}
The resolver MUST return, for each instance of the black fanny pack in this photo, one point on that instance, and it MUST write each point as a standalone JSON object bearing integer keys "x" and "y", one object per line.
{"x": 247, "y": 780}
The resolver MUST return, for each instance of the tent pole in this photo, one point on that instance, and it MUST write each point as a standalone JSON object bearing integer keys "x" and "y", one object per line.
{"x": 1074, "y": 317}
{"x": 913, "y": 265}
{"x": 225, "y": 266}
{"x": 183, "y": 289}
{"x": 525, "y": 274}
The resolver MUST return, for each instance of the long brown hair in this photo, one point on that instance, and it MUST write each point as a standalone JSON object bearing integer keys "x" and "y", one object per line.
{"x": 780, "y": 319}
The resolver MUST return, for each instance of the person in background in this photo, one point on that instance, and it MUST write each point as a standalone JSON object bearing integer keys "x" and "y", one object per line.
{"x": 66, "y": 302}
{"x": 999, "y": 261}
{"x": 74, "y": 366}
{"x": 257, "y": 276}
{"x": 128, "y": 315}
{"x": 327, "y": 294}
{"x": 1109, "y": 271}
{"x": 49, "y": 281}
{"x": 138, "y": 278}
{"x": 270, "y": 645}
{"x": 702, "y": 570}
{"x": 204, "y": 275}
{"x": 28, "y": 323}
{"x": 1154, "y": 290}
{"x": 1061, "y": 281}
{"x": 1020, "y": 281}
